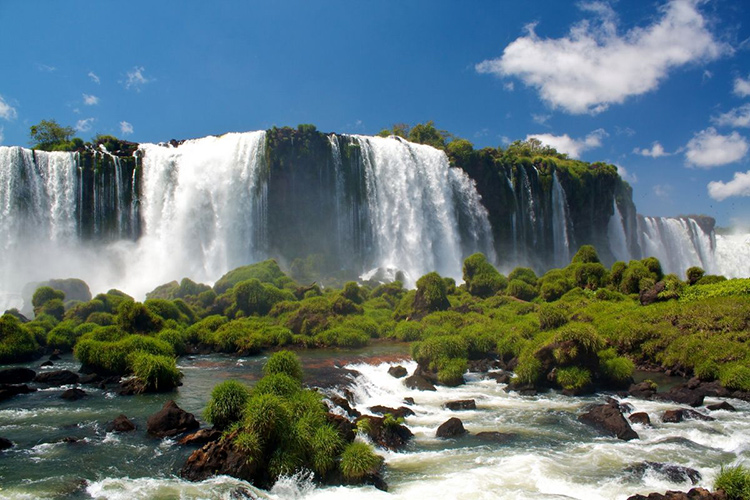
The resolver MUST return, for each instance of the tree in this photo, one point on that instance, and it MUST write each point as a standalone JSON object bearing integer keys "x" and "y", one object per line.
{"x": 48, "y": 135}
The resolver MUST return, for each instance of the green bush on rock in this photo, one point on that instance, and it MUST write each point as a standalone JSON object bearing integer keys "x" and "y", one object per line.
{"x": 227, "y": 404}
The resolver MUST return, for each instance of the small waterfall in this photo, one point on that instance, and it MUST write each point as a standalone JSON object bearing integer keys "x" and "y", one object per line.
{"x": 678, "y": 243}
{"x": 732, "y": 255}
{"x": 618, "y": 240}
{"x": 560, "y": 220}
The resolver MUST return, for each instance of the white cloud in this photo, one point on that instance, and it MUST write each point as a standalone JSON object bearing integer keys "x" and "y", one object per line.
{"x": 509, "y": 86}
{"x": 656, "y": 151}
{"x": 136, "y": 78}
{"x": 626, "y": 176}
{"x": 84, "y": 125}
{"x": 742, "y": 86}
{"x": 94, "y": 77}
{"x": 662, "y": 190}
{"x": 738, "y": 186}
{"x": 708, "y": 149}
{"x": 572, "y": 147}
{"x": 738, "y": 117}
{"x": 627, "y": 131}
{"x": 90, "y": 100}
{"x": 707, "y": 75}
{"x": 505, "y": 140}
{"x": 46, "y": 68}
{"x": 126, "y": 128}
{"x": 7, "y": 112}
{"x": 594, "y": 66}
{"x": 540, "y": 119}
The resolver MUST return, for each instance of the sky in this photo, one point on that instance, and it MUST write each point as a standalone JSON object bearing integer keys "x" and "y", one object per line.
{"x": 659, "y": 88}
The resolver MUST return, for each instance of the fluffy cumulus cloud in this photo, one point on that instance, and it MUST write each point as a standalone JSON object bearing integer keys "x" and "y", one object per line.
{"x": 7, "y": 112}
{"x": 572, "y": 147}
{"x": 94, "y": 77}
{"x": 90, "y": 100}
{"x": 739, "y": 186}
{"x": 709, "y": 149}
{"x": 742, "y": 86}
{"x": 84, "y": 125}
{"x": 656, "y": 151}
{"x": 126, "y": 128}
{"x": 594, "y": 66}
{"x": 136, "y": 78}
{"x": 738, "y": 117}
{"x": 626, "y": 176}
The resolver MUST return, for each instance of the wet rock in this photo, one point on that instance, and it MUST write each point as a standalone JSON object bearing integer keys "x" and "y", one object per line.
{"x": 419, "y": 383}
{"x": 219, "y": 457}
{"x": 409, "y": 401}
{"x": 47, "y": 364}
{"x": 495, "y": 437}
{"x": 643, "y": 390}
{"x": 500, "y": 377}
{"x": 682, "y": 395}
{"x": 397, "y": 371}
{"x": 57, "y": 377}
{"x": 120, "y": 424}
{"x": 5, "y": 444}
{"x": 8, "y": 391}
{"x": 461, "y": 404}
{"x": 392, "y": 436}
{"x": 721, "y": 406}
{"x": 521, "y": 388}
{"x": 201, "y": 437}
{"x": 713, "y": 390}
{"x": 55, "y": 356}
{"x": 170, "y": 421}
{"x": 91, "y": 378}
{"x": 17, "y": 375}
{"x": 70, "y": 440}
{"x": 345, "y": 428}
{"x": 73, "y": 394}
{"x": 240, "y": 493}
{"x": 451, "y": 428}
{"x": 483, "y": 365}
{"x": 678, "y": 415}
{"x": 693, "y": 494}
{"x": 652, "y": 294}
{"x": 673, "y": 473}
{"x": 400, "y": 412}
{"x": 640, "y": 418}
{"x": 344, "y": 405}
{"x": 607, "y": 417}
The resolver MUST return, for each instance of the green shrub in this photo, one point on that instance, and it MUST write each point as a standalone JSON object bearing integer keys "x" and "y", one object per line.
{"x": 267, "y": 271}
{"x": 227, "y": 403}
{"x": 343, "y": 336}
{"x": 694, "y": 274}
{"x": 590, "y": 275}
{"x": 432, "y": 294}
{"x": 654, "y": 267}
{"x": 44, "y": 294}
{"x": 529, "y": 369}
{"x": 101, "y": 318}
{"x": 134, "y": 317}
{"x": 165, "y": 309}
{"x": 481, "y": 277}
{"x": 616, "y": 273}
{"x": 176, "y": 338}
{"x": 524, "y": 274}
{"x": 285, "y": 362}
{"x": 53, "y": 307}
{"x": 735, "y": 481}
{"x": 16, "y": 342}
{"x": 326, "y": 447}
{"x": 63, "y": 336}
{"x": 204, "y": 330}
{"x": 353, "y": 292}
{"x": 521, "y": 290}
{"x": 707, "y": 370}
{"x": 358, "y": 460}
{"x": 632, "y": 276}
{"x": 451, "y": 372}
{"x": 573, "y": 378}
{"x": 408, "y": 331}
{"x": 616, "y": 369}
{"x": 280, "y": 384}
{"x": 553, "y": 290}
{"x": 551, "y": 317}
{"x": 153, "y": 372}
{"x": 735, "y": 376}
{"x": 432, "y": 351}
{"x": 586, "y": 254}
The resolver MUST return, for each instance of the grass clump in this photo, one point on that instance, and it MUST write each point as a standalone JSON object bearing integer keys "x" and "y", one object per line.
{"x": 227, "y": 403}
{"x": 358, "y": 460}
{"x": 154, "y": 373}
{"x": 735, "y": 481}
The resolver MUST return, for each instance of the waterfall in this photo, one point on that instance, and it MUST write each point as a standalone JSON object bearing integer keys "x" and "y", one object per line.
{"x": 618, "y": 239}
{"x": 414, "y": 218}
{"x": 678, "y": 243}
{"x": 560, "y": 220}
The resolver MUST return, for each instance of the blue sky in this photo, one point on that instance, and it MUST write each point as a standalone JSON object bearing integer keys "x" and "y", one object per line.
{"x": 660, "y": 88}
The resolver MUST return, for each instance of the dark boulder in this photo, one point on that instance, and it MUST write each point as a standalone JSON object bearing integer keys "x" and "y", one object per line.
{"x": 409, "y": 401}
{"x": 678, "y": 415}
{"x": 8, "y": 391}
{"x": 392, "y": 435}
{"x": 643, "y": 390}
{"x": 484, "y": 365}
{"x": 121, "y": 424}
{"x": 640, "y": 418}
{"x": 500, "y": 377}
{"x": 452, "y": 427}
{"x": 682, "y": 395}
{"x": 219, "y": 457}
{"x": 419, "y": 383}
{"x": 73, "y": 394}
{"x": 170, "y": 421}
{"x": 721, "y": 406}
{"x": 47, "y": 364}
{"x": 693, "y": 494}
{"x": 397, "y": 371}
{"x": 200, "y": 437}
{"x": 607, "y": 417}
{"x": 57, "y": 377}
{"x": 651, "y": 295}
{"x": 343, "y": 403}
{"x": 343, "y": 425}
{"x": 673, "y": 473}
{"x": 461, "y": 404}
{"x": 400, "y": 412}
{"x": 5, "y": 444}
{"x": 17, "y": 375}
{"x": 495, "y": 437}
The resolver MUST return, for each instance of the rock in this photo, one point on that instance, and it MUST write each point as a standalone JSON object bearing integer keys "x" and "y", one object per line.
{"x": 693, "y": 494}
{"x": 721, "y": 406}
{"x": 70, "y": 440}
{"x": 409, "y": 401}
{"x": 607, "y": 417}
{"x": 397, "y": 371}
{"x": 499, "y": 377}
{"x": 521, "y": 388}
{"x": 55, "y": 356}
{"x": 240, "y": 493}
{"x": 713, "y": 390}
{"x": 201, "y": 437}
{"x": 461, "y": 404}
{"x": 682, "y": 395}
{"x": 644, "y": 390}
{"x": 483, "y": 365}
{"x": 8, "y": 391}
{"x": 673, "y": 473}
{"x": 419, "y": 383}
{"x": 640, "y": 418}
{"x": 344, "y": 405}
{"x": 57, "y": 377}
{"x": 17, "y": 375}
{"x": 674, "y": 416}
{"x": 452, "y": 427}
{"x": 400, "y": 412}
{"x": 121, "y": 424}
{"x": 495, "y": 437}
{"x": 47, "y": 363}
{"x": 345, "y": 428}
{"x": 73, "y": 394}
{"x": 219, "y": 457}
{"x": 652, "y": 294}
{"x": 170, "y": 421}
{"x": 5, "y": 444}
{"x": 91, "y": 378}
{"x": 392, "y": 436}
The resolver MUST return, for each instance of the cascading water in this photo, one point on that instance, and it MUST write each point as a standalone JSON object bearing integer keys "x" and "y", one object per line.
{"x": 560, "y": 220}
{"x": 678, "y": 243}
{"x": 618, "y": 239}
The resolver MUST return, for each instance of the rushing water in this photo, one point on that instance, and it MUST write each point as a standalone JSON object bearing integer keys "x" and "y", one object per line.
{"x": 551, "y": 455}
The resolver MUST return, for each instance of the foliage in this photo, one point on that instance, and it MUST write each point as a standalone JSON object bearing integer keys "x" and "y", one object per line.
{"x": 573, "y": 378}
{"x": 551, "y": 317}
{"x": 586, "y": 254}
{"x": 154, "y": 372}
{"x": 43, "y": 294}
{"x": 285, "y": 362}
{"x": 135, "y": 317}
{"x": 693, "y": 274}
{"x": 432, "y": 294}
{"x": 48, "y": 135}
{"x": 481, "y": 277}
{"x": 521, "y": 290}
{"x": 267, "y": 271}
{"x": 358, "y": 460}
{"x": 227, "y": 403}
{"x": 735, "y": 481}
{"x": 725, "y": 288}
{"x": 451, "y": 371}
{"x": 16, "y": 342}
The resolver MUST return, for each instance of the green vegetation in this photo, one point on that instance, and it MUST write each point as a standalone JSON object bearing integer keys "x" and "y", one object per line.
{"x": 228, "y": 400}
{"x": 48, "y": 135}
{"x": 17, "y": 343}
{"x": 735, "y": 481}
{"x": 358, "y": 460}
